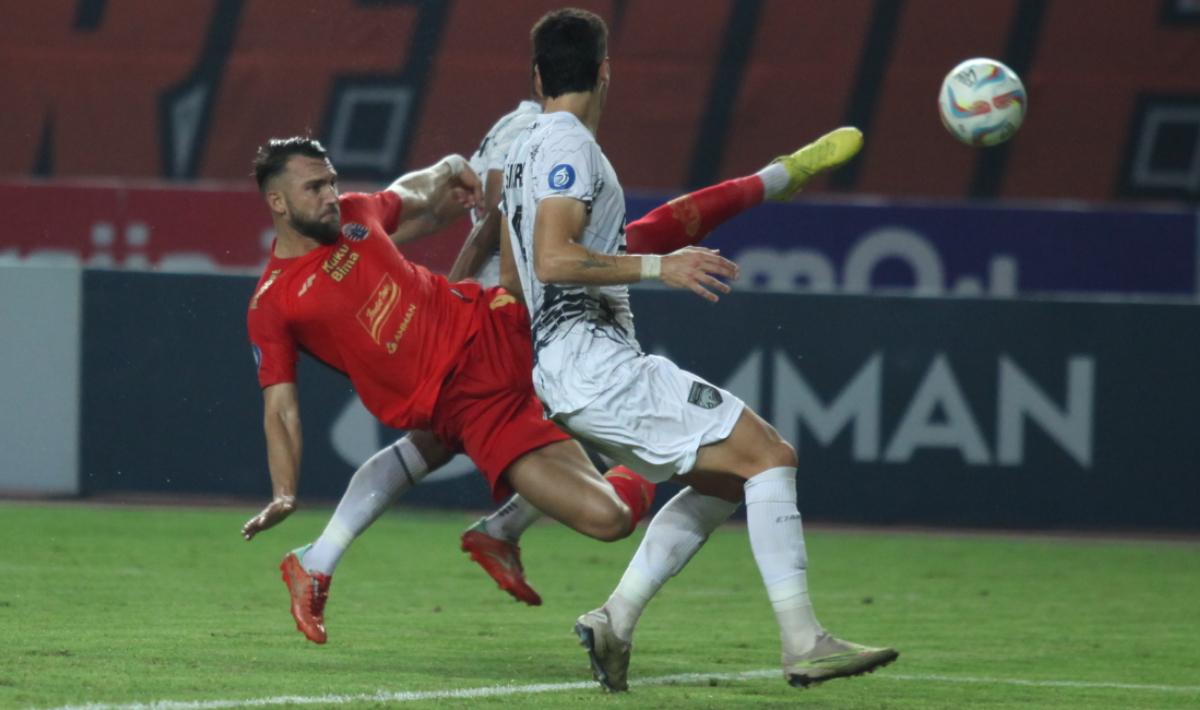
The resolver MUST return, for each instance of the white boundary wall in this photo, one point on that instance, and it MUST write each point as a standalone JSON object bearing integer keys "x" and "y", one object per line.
{"x": 40, "y": 333}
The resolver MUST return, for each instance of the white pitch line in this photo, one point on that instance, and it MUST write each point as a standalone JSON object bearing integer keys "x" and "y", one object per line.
{"x": 1041, "y": 683}
{"x": 385, "y": 696}
{"x": 493, "y": 691}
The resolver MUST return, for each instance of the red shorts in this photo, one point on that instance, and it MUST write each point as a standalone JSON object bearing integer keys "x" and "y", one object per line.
{"x": 488, "y": 407}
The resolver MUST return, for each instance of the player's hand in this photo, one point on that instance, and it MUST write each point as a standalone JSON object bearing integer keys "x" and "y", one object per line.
{"x": 275, "y": 512}
{"x": 699, "y": 270}
{"x": 466, "y": 189}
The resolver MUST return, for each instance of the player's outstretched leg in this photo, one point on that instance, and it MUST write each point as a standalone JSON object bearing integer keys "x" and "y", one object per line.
{"x": 755, "y": 451}
{"x": 309, "y": 592}
{"x": 501, "y": 557}
{"x": 688, "y": 219}
{"x": 308, "y": 571}
{"x": 825, "y": 153}
{"x": 674, "y": 535}
{"x": 373, "y": 488}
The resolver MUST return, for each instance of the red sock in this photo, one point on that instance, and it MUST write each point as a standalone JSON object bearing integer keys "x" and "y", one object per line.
{"x": 687, "y": 220}
{"x": 635, "y": 491}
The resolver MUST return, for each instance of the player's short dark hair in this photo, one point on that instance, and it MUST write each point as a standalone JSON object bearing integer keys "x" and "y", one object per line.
{"x": 568, "y": 47}
{"x": 273, "y": 155}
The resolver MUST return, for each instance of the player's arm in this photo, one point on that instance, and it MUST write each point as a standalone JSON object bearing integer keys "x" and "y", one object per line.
{"x": 281, "y": 425}
{"x": 510, "y": 280}
{"x": 559, "y": 258}
{"x": 481, "y": 242}
{"x": 434, "y": 197}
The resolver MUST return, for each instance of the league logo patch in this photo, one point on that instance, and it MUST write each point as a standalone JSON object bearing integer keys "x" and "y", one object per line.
{"x": 354, "y": 231}
{"x": 704, "y": 396}
{"x": 257, "y": 355}
{"x": 562, "y": 176}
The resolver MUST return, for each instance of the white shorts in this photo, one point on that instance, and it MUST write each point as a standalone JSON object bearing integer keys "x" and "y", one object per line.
{"x": 489, "y": 273}
{"x": 653, "y": 417}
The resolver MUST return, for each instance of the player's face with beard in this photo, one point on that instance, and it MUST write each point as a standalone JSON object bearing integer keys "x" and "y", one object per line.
{"x": 312, "y": 199}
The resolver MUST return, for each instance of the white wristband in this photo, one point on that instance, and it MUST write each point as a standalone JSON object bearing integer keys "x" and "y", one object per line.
{"x": 651, "y": 267}
{"x": 456, "y": 164}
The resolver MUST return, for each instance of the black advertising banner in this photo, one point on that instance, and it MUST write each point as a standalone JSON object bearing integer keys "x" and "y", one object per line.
{"x": 171, "y": 403}
{"x": 961, "y": 412}
{"x": 977, "y": 412}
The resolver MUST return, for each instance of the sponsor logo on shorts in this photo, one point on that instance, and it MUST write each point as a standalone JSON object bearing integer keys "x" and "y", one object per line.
{"x": 354, "y": 231}
{"x": 562, "y": 176}
{"x": 704, "y": 396}
{"x": 374, "y": 313}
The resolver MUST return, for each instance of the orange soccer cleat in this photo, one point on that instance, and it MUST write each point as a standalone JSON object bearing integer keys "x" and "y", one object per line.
{"x": 501, "y": 559}
{"x": 309, "y": 594}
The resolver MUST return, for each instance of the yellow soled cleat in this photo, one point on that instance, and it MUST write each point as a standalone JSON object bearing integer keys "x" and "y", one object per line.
{"x": 825, "y": 153}
{"x": 834, "y": 658}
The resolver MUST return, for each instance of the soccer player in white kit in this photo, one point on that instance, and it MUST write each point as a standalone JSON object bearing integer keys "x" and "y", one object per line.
{"x": 564, "y": 236}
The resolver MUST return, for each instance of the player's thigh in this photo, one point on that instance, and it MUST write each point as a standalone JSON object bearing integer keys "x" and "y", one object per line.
{"x": 559, "y": 480}
{"x": 751, "y": 448}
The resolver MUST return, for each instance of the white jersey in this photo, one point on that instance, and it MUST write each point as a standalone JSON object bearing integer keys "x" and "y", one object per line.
{"x": 579, "y": 332}
{"x": 494, "y": 146}
{"x": 490, "y": 156}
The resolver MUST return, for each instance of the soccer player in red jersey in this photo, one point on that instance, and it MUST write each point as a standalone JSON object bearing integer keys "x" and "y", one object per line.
{"x": 492, "y": 541}
{"x": 422, "y": 353}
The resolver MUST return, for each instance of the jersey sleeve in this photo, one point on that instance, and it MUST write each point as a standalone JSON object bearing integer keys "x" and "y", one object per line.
{"x": 384, "y": 206}
{"x": 505, "y": 136}
{"x": 273, "y": 347}
{"x": 568, "y": 166}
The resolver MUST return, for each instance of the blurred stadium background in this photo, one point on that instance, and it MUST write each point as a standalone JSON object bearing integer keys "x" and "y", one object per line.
{"x": 953, "y": 338}
{"x": 998, "y": 337}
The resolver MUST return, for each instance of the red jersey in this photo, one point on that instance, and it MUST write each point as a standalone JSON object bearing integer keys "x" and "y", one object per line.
{"x": 394, "y": 327}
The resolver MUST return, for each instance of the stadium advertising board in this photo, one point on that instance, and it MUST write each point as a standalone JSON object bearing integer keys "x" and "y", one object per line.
{"x": 150, "y": 227}
{"x": 820, "y": 247}
{"x": 942, "y": 249}
{"x": 961, "y": 411}
{"x": 904, "y": 410}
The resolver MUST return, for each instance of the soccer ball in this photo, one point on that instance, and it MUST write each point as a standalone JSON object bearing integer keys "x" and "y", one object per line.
{"x": 982, "y": 102}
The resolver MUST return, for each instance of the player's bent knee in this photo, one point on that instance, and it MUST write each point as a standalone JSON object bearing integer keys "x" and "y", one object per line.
{"x": 610, "y": 522}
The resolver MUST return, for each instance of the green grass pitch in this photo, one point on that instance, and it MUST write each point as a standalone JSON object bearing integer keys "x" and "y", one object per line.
{"x": 117, "y": 606}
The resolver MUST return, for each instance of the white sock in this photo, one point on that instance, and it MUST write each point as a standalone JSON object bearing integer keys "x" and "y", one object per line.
{"x": 675, "y": 534}
{"x": 512, "y": 519}
{"x": 373, "y": 488}
{"x": 775, "y": 179}
{"x": 777, "y": 540}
